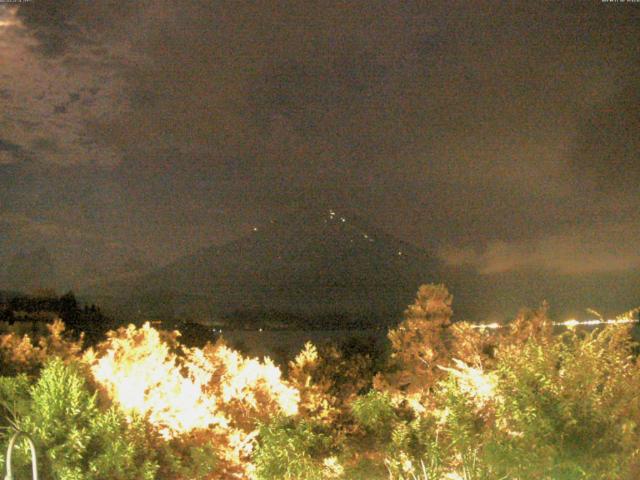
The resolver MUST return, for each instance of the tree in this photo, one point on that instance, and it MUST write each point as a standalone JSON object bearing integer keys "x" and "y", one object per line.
{"x": 420, "y": 344}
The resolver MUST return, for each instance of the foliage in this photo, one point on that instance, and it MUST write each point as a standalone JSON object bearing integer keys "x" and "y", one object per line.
{"x": 18, "y": 354}
{"x": 328, "y": 381}
{"x": 454, "y": 401}
{"x": 419, "y": 344}
{"x": 548, "y": 407}
{"x": 569, "y": 406}
{"x": 376, "y": 413}
{"x": 75, "y": 439}
{"x": 292, "y": 450}
{"x": 203, "y": 400}
{"x": 525, "y": 403}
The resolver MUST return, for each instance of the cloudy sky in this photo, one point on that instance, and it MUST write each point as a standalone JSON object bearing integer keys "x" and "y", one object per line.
{"x": 501, "y": 135}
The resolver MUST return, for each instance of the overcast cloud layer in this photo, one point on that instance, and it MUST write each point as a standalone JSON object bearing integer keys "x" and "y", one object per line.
{"x": 502, "y": 136}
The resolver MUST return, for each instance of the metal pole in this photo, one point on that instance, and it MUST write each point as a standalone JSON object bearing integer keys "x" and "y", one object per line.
{"x": 34, "y": 460}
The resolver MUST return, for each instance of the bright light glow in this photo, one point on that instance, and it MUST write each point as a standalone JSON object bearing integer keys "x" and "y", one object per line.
{"x": 571, "y": 323}
{"x": 491, "y": 326}
{"x": 473, "y": 381}
{"x": 182, "y": 393}
{"x": 454, "y": 476}
{"x": 9, "y": 18}
{"x": 146, "y": 378}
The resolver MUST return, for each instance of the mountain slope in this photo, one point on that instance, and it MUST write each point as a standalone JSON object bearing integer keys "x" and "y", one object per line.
{"x": 325, "y": 268}
{"x": 310, "y": 263}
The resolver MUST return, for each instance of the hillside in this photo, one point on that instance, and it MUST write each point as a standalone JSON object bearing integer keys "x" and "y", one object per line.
{"x": 330, "y": 269}
{"x": 310, "y": 264}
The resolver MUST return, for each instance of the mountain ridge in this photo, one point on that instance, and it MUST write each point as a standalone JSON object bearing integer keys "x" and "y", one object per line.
{"x": 309, "y": 262}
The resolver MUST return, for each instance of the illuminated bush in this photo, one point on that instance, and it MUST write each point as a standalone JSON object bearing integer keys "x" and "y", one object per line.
{"x": 328, "y": 381}
{"x": 19, "y": 354}
{"x": 210, "y": 398}
{"x": 568, "y": 408}
{"x": 563, "y": 407}
{"x": 376, "y": 413}
{"x": 419, "y": 345}
{"x": 454, "y": 402}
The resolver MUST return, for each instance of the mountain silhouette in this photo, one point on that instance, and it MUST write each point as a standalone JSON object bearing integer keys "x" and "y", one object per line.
{"x": 326, "y": 268}
{"x": 312, "y": 262}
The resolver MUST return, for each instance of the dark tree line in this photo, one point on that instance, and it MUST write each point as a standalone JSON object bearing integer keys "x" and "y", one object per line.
{"x": 78, "y": 318}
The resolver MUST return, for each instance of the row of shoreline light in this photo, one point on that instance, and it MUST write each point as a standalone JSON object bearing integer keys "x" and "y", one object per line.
{"x": 571, "y": 323}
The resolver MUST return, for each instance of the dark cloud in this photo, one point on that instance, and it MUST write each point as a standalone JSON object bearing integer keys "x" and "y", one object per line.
{"x": 456, "y": 125}
{"x": 63, "y": 25}
{"x": 607, "y": 150}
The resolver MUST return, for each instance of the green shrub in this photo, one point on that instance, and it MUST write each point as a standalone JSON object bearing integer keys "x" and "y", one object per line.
{"x": 568, "y": 409}
{"x": 291, "y": 450}
{"x": 187, "y": 458}
{"x": 406, "y": 443}
{"x": 537, "y": 406}
{"x": 74, "y": 438}
{"x": 376, "y": 413}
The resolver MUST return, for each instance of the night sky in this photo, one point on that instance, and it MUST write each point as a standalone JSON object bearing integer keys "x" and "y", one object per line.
{"x": 498, "y": 135}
